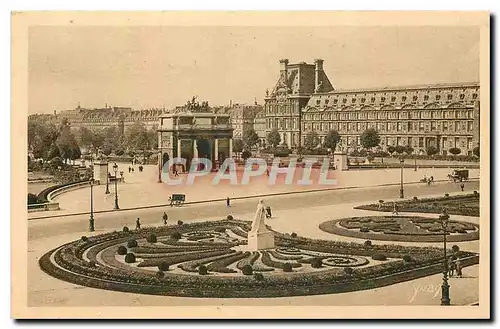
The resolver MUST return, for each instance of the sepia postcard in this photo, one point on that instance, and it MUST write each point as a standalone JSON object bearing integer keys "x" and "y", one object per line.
{"x": 256, "y": 165}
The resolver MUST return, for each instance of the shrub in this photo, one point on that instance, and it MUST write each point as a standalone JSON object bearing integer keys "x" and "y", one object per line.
{"x": 446, "y": 195}
{"x": 180, "y": 223}
{"x": 202, "y": 270}
{"x": 316, "y": 262}
{"x": 130, "y": 258}
{"x": 379, "y": 257}
{"x": 122, "y": 250}
{"x": 220, "y": 229}
{"x": 151, "y": 238}
{"x": 415, "y": 198}
{"x": 475, "y": 193}
{"x": 229, "y": 217}
{"x": 380, "y": 201}
{"x": 91, "y": 264}
{"x": 160, "y": 274}
{"x": 125, "y": 229}
{"x": 132, "y": 243}
{"x": 348, "y": 271}
{"x": 368, "y": 243}
{"x": 287, "y": 267}
{"x": 364, "y": 229}
{"x": 258, "y": 276}
{"x": 163, "y": 266}
{"x": 455, "y": 248}
{"x": 407, "y": 258}
{"x": 247, "y": 270}
{"x": 84, "y": 238}
{"x": 32, "y": 198}
{"x": 293, "y": 235}
{"x": 176, "y": 235}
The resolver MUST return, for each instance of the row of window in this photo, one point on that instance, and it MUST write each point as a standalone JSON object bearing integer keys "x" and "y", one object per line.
{"x": 374, "y": 115}
{"x": 392, "y": 99}
{"x": 422, "y": 126}
{"x": 422, "y": 142}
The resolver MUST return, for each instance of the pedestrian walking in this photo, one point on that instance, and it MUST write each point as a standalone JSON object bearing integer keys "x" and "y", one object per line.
{"x": 165, "y": 218}
{"x": 462, "y": 186}
{"x": 395, "y": 209}
{"x": 458, "y": 267}
{"x": 138, "y": 224}
{"x": 228, "y": 202}
{"x": 129, "y": 169}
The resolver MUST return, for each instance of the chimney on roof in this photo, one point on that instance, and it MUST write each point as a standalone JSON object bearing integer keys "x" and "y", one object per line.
{"x": 284, "y": 67}
{"x": 255, "y": 100}
{"x": 230, "y": 103}
{"x": 318, "y": 68}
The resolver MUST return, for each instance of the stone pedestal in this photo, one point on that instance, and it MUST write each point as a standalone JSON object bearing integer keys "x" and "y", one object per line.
{"x": 100, "y": 172}
{"x": 260, "y": 240}
{"x": 340, "y": 159}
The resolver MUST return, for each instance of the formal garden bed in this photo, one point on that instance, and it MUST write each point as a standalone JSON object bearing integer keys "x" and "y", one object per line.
{"x": 464, "y": 205}
{"x": 168, "y": 261}
{"x": 401, "y": 228}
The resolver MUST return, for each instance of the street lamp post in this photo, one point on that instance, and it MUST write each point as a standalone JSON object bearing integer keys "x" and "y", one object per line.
{"x": 415, "y": 157}
{"x": 91, "y": 219}
{"x": 445, "y": 287}
{"x": 115, "y": 169}
{"x": 160, "y": 160}
{"x": 401, "y": 190}
{"x": 107, "y": 179}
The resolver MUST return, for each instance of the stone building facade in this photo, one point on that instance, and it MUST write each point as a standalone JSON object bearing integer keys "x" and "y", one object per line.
{"x": 284, "y": 104}
{"x": 121, "y": 117}
{"x": 443, "y": 115}
{"x": 242, "y": 117}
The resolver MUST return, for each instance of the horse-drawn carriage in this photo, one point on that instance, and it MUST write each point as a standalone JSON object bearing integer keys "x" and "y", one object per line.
{"x": 459, "y": 175}
{"x": 177, "y": 200}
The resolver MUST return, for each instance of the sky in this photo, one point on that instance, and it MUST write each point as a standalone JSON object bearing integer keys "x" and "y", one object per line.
{"x": 144, "y": 67}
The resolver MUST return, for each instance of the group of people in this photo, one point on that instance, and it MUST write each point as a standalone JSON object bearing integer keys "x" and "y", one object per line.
{"x": 454, "y": 266}
{"x": 138, "y": 221}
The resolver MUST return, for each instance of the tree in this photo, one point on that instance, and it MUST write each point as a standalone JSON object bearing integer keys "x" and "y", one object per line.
{"x": 431, "y": 150}
{"x": 274, "y": 138}
{"x": 399, "y": 149}
{"x": 53, "y": 152}
{"x": 332, "y": 139}
{"x": 106, "y": 149}
{"x": 311, "y": 140}
{"x": 455, "y": 151}
{"x": 475, "y": 151}
{"x": 237, "y": 145}
{"x": 408, "y": 149}
{"x": 137, "y": 137}
{"x": 370, "y": 138}
{"x": 42, "y": 134}
{"x": 250, "y": 138}
{"x": 391, "y": 149}
{"x": 66, "y": 141}
{"x": 246, "y": 154}
{"x": 85, "y": 137}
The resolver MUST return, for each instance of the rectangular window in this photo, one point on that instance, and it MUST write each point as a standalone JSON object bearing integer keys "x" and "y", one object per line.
{"x": 421, "y": 126}
{"x": 445, "y": 125}
{"x": 409, "y": 141}
{"x": 457, "y": 140}
{"x": 457, "y": 126}
{"x": 469, "y": 143}
{"x": 470, "y": 126}
{"x": 433, "y": 125}
{"x": 409, "y": 126}
{"x": 420, "y": 142}
{"x": 398, "y": 141}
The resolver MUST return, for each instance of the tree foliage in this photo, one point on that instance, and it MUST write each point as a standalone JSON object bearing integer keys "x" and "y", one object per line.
{"x": 237, "y": 145}
{"x": 432, "y": 150}
{"x": 370, "y": 138}
{"x": 391, "y": 149}
{"x": 332, "y": 139}
{"x": 475, "y": 151}
{"x": 274, "y": 138}
{"x": 250, "y": 138}
{"x": 455, "y": 150}
{"x": 311, "y": 140}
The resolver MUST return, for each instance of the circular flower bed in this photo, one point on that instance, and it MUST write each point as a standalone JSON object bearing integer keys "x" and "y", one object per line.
{"x": 401, "y": 228}
{"x": 200, "y": 268}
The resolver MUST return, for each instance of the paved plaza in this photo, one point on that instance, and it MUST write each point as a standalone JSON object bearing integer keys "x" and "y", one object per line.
{"x": 299, "y": 213}
{"x": 142, "y": 188}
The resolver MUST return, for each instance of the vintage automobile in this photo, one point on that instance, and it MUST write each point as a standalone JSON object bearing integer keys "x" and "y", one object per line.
{"x": 459, "y": 175}
{"x": 177, "y": 200}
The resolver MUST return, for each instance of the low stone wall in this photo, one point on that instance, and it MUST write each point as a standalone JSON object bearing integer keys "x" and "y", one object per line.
{"x": 65, "y": 189}
{"x": 48, "y": 206}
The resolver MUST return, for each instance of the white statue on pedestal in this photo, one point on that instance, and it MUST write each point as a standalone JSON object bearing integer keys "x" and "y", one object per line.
{"x": 260, "y": 237}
